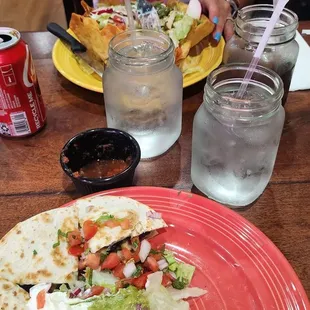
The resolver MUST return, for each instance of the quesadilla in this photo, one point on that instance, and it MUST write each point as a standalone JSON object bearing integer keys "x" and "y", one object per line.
{"x": 95, "y": 254}
{"x": 12, "y": 297}
{"x": 97, "y": 27}
{"x": 116, "y": 218}
{"x": 31, "y": 245}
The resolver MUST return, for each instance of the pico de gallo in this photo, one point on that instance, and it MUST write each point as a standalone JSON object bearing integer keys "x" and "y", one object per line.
{"x": 122, "y": 274}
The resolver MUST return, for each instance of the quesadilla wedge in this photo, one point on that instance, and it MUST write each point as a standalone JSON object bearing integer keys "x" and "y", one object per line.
{"x": 12, "y": 297}
{"x": 35, "y": 247}
{"x": 115, "y": 219}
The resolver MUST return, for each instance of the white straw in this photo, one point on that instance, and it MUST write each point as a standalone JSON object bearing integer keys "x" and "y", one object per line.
{"x": 131, "y": 22}
{"x": 261, "y": 46}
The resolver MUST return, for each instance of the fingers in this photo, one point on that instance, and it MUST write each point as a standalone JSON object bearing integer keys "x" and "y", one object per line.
{"x": 228, "y": 29}
{"x": 224, "y": 13}
{"x": 218, "y": 10}
{"x": 214, "y": 14}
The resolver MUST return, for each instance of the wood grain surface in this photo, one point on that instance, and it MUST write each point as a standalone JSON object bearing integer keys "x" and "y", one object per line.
{"x": 32, "y": 181}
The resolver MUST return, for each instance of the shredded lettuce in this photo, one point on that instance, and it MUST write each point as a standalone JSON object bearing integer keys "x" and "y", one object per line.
{"x": 182, "y": 27}
{"x": 159, "y": 297}
{"x": 105, "y": 279}
{"x": 184, "y": 272}
{"x": 186, "y": 293}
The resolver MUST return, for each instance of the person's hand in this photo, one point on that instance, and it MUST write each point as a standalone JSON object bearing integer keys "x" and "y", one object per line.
{"x": 220, "y": 15}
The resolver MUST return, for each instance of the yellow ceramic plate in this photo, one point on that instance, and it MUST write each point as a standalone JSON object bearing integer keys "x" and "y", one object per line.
{"x": 67, "y": 65}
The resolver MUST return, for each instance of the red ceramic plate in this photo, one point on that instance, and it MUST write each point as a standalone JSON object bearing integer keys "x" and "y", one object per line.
{"x": 235, "y": 262}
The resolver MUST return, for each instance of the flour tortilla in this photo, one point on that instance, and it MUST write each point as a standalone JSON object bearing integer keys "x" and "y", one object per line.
{"x": 119, "y": 207}
{"x": 27, "y": 255}
{"x": 12, "y": 297}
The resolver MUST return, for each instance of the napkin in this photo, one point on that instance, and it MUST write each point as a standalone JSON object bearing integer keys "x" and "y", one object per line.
{"x": 301, "y": 78}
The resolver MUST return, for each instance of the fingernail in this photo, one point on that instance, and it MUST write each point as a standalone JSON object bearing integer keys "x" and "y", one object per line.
{"x": 217, "y": 36}
{"x": 215, "y": 20}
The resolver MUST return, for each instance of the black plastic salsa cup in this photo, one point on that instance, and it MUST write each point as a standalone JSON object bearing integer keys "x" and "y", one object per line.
{"x": 102, "y": 144}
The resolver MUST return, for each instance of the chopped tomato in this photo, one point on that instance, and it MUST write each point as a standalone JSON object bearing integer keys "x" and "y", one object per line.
{"x": 111, "y": 223}
{"x": 74, "y": 238}
{"x": 89, "y": 229}
{"x": 161, "y": 248}
{"x": 118, "y": 271}
{"x": 92, "y": 261}
{"x": 123, "y": 283}
{"x": 85, "y": 246}
{"x": 151, "y": 264}
{"x": 76, "y": 250}
{"x": 125, "y": 224}
{"x": 140, "y": 281}
{"x": 157, "y": 256}
{"x": 108, "y": 10}
{"x": 111, "y": 261}
{"x": 136, "y": 256}
{"x": 96, "y": 290}
{"x": 118, "y": 19}
{"x": 167, "y": 280}
{"x": 81, "y": 264}
{"x": 41, "y": 299}
{"x": 126, "y": 254}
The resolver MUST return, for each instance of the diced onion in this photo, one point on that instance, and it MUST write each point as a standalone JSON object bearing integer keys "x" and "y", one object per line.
{"x": 106, "y": 291}
{"x": 85, "y": 294}
{"x": 129, "y": 269}
{"x": 162, "y": 264}
{"x": 194, "y": 9}
{"x": 144, "y": 250}
{"x": 153, "y": 215}
{"x": 75, "y": 292}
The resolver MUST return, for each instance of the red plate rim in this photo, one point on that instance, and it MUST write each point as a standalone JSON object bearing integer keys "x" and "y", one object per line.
{"x": 276, "y": 255}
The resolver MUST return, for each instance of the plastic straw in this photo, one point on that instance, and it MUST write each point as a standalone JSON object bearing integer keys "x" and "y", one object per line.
{"x": 261, "y": 46}
{"x": 131, "y": 22}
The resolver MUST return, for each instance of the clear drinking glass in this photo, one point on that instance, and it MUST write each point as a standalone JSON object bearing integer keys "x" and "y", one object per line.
{"x": 235, "y": 141}
{"x": 143, "y": 90}
{"x": 281, "y": 52}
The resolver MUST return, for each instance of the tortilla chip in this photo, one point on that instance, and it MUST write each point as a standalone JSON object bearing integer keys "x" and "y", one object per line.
{"x": 12, "y": 296}
{"x": 182, "y": 51}
{"x": 200, "y": 30}
{"x": 190, "y": 65}
{"x": 95, "y": 40}
{"x": 88, "y": 9}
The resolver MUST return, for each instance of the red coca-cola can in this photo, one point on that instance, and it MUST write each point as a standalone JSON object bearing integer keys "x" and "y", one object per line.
{"x": 22, "y": 111}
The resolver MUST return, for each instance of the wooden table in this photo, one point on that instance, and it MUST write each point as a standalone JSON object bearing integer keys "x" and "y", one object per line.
{"x": 32, "y": 181}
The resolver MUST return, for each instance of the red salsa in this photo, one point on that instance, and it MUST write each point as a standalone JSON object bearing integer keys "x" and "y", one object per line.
{"x": 102, "y": 168}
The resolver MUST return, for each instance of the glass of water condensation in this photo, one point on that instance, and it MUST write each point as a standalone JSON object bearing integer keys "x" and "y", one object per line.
{"x": 280, "y": 54}
{"x": 235, "y": 141}
{"x": 143, "y": 90}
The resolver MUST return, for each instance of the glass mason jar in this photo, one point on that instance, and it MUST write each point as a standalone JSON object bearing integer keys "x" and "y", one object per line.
{"x": 235, "y": 141}
{"x": 143, "y": 90}
{"x": 281, "y": 52}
